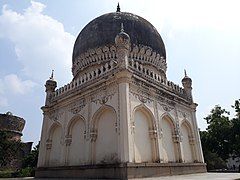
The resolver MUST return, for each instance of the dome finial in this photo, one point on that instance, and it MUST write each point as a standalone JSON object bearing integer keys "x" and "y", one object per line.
{"x": 51, "y": 77}
{"x": 118, "y": 8}
{"x": 185, "y": 72}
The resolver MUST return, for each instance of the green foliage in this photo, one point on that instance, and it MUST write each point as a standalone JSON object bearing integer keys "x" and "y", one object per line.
{"x": 8, "y": 148}
{"x": 222, "y": 136}
{"x": 26, "y": 172}
{"x": 212, "y": 159}
{"x": 6, "y": 174}
{"x": 31, "y": 159}
{"x": 219, "y": 128}
{"x": 235, "y": 131}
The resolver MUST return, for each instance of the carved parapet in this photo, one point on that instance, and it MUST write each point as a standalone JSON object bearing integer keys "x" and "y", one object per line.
{"x": 94, "y": 56}
{"x": 146, "y": 55}
{"x": 86, "y": 77}
{"x": 156, "y": 77}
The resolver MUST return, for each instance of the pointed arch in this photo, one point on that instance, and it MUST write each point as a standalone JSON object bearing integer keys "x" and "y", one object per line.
{"x": 188, "y": 125}
{"x": 51, "y": 129}
{"x": 169, "y": 149}
{"x": 104, "y": 135}
{"x": 72, "y": 121}
{"x": 76, "y": 130}
{"x": 150, "y": 117}
{"x": 169, "y": 118}
{"x": 187, "y": 141}
{"x": 145, "y": 135}
{"x": 54, "y": 144}
{"x": 98, "y": 113}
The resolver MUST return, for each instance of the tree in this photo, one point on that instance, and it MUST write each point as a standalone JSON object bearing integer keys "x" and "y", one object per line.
{"x": 212, "y": 159}
{"x": 219, "y": 132}
{"x": 235, "y": 130}
{"x": 32, "y": 158}
{"x": 8, "y": 149}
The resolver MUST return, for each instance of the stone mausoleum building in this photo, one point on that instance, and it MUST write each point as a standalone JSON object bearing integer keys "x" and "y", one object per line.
{"x": 119, "y": 117}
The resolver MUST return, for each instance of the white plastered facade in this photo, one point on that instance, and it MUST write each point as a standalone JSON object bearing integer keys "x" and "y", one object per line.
{"x": 124, "y": 111}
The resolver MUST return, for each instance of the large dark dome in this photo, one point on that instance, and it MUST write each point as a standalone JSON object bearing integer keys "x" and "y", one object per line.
{"x": 103, "y": 30}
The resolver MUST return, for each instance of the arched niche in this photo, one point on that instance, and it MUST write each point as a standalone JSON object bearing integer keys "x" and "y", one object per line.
{"x": 168, "y": 146}
{"x": 76, "y": 130}
{"x": 104, "y": 136}
{"x": 187, "y": 145}
{"x": 145, "y": 135}
{"x": 54, "y": 145}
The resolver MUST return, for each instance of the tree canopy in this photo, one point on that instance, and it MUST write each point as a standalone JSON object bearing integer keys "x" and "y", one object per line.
{"x": 222, "y": 136}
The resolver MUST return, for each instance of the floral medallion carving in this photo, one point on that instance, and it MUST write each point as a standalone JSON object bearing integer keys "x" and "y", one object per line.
{"x": 76, "y": 107}
{"x": 104, "y": 95}
{"x": 55, "y": 115}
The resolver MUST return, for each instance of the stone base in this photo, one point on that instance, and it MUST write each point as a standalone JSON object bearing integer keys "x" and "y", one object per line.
{"x": 120, "y": 171}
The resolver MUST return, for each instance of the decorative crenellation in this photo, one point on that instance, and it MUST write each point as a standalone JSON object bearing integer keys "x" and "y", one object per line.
{"x": 155, "y": 77}
{"x": 94, "y": 56}
{"x": 87, "y": 77}
{"x": 146, "y": 55}
{"x": 100, "y": 55}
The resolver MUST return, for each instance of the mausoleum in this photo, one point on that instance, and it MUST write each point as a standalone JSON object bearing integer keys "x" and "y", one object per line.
{"x": 120, "y": 116}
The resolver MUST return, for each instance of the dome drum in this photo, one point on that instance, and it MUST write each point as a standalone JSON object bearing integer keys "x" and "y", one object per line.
{"x": 96, "y": 42}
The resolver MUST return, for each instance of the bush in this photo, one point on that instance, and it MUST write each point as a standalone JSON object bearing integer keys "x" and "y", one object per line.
{"x": 26, "y": 172}
{"x": 6, "y": 174}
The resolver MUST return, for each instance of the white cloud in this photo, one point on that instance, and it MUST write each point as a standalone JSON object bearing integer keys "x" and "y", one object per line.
{"x": 17, "y": 86}
{"x": 11, "y": 83}
{"x": 41, "y": 43}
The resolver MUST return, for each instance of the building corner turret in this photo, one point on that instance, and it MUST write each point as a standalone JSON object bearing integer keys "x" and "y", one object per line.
{"x": 187, "y": 86}
{"x": 50, "y": 85}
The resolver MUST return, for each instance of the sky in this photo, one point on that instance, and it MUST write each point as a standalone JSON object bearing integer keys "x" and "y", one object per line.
{"x": 200, "y": 36}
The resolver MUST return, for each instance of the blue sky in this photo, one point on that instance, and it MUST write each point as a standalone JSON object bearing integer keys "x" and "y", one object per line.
{"x": 38, "y": 36}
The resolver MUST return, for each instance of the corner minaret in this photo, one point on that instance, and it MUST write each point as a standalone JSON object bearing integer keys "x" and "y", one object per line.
{"x": 187, "y": 85}
{"x": 118, "y": 8}
{"x": 122, "y": 41}
{"x": 50, "y": 85}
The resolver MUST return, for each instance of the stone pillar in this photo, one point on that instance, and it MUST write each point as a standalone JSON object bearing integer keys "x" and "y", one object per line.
{"x": 198, "y": 146}
{"x": 124, "y": 118}
{"x": 44, "y": 145}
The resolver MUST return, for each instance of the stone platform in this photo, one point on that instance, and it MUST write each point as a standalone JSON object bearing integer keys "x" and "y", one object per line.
{"x": 121, "y": 171}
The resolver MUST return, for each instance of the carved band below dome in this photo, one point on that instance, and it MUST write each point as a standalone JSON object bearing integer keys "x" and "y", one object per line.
{"x": 141, "y": 53}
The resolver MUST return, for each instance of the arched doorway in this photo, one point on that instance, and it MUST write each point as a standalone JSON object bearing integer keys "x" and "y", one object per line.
{"x": 76, "y": 151}
{"x": 106, "y": 141}
{"x": 167, "y": 140}
{"x": 144, "y": 136}
{"x": 187, "y": 149}
{"x": 55, "y": 153}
